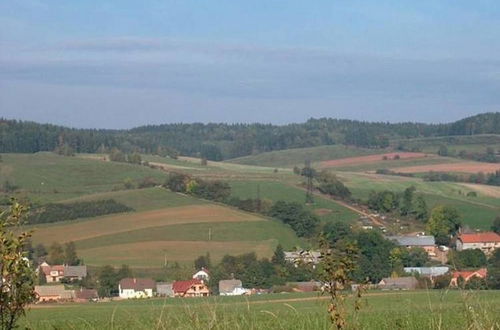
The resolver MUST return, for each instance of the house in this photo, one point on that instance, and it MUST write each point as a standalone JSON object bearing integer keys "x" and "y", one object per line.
{"x": 303, "y": 257}
{"x": 428, "y": 243}
{"x": 136, "y": 288}
{"x": 486, "y": 242}
{"x": 231, "y": 288}
{"x": 467, "y": 275}
{"x": 190, "y": 288}
{"x": 53, "y": 293}
{"x": 398, "y": 283}
{"x": 56, "y": 273}
{"x": 84, "y": 295}
{"x": 430, "y": 272}
{"x": 306, "y": 286}
{"x": 202, "y": 275}
{"x": 164, "y": 289}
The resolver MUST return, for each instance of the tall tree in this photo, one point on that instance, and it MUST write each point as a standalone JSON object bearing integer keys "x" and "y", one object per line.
{"x": 444, "y": 222}
{"x": 56, "y": 254}
{"x": 70, "y": 256}
{"x": 17, "y": 277}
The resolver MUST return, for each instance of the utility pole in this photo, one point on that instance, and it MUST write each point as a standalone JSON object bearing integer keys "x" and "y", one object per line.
{"x": 259, "y": 204}
{"x": 308, "y": 173}
{"x": 210, "y": 233}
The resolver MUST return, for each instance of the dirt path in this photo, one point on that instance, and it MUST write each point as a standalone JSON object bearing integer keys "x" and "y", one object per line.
{"x": 361, "y": 212}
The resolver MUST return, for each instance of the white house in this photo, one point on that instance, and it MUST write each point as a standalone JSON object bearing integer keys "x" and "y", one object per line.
{"x": 202, "y": 275}
{"x": 136, "y": 288}
{"x": 231, "y": 288}
{"x": 486, "y": 242}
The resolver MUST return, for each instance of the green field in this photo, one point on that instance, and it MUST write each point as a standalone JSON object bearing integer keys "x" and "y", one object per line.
{"x": 276, "y": 191}
{"x": 45, "y": 176}
{"x": 477, "y": 212}
{"x": 455, "y": 144}
{"x": 380, "y": 310}
{"x": 394, "y": 164}
{"x": 292, "y": 157}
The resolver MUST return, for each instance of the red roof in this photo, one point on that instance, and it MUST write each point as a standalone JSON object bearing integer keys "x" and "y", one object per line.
{"x": 469, "y": 273}
{"x": 183, "y": 286}
{"x": 485, "y": 237}
{"x": 47, "y": 269}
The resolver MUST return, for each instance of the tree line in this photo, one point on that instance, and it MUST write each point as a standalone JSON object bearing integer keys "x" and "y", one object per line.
{"x": 55, "y": 212}
{"x": 225, "y": 141}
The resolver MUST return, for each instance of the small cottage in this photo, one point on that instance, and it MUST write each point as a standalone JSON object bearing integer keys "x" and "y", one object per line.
{"x": 136, "y": 288}
{"x": 231, "y": 288}
{"x": 398, "y": 283}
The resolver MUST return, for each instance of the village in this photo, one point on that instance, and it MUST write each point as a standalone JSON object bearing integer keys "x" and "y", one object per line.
{"x": 58, "y": 277}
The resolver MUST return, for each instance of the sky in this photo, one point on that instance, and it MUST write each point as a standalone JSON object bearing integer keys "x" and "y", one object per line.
{"x": 121, "y": 64}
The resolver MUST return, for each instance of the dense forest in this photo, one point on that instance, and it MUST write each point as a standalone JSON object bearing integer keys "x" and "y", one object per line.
{"x": 224, "y": 141}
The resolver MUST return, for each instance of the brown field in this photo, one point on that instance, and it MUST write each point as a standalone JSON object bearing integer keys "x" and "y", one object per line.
{"x": 485, "y": 190}
{"x": 86, "y": 229}
{"x": 153, "y": 254}
{"x": 463, "y": 167}
{"x": 371, "y": 159}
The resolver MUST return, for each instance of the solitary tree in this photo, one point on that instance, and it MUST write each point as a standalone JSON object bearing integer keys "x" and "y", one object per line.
{"x": 16, "y": 275}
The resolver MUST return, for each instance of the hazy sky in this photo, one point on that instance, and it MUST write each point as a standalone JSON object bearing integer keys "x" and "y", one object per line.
{"x": 119, "y": 64}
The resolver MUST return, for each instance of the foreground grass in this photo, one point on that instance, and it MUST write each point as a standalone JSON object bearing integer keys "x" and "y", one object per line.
{"x": 381, "y": 310}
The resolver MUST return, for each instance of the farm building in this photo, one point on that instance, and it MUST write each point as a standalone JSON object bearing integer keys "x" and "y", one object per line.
{"x": 398, "y": 283}
{"x": 56, "y": 273}
{"x": 302, "y": 256}
{"x": 467, "y": 276}
{"x": 52, "y": 293}
{"x": 428, "y": 271}
{"x": 136, "y": 288}
{"x": 190, "y": 288}
{"x": 428, "y": 243}
{"x": 164, "y": 289}
{"x": 231, "y": 288}
{"x": 84, "y": 295}
{"x": 486, "y": 242}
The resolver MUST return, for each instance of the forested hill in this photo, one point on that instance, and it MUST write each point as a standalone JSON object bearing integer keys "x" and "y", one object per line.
{"x": 224, "y": 141}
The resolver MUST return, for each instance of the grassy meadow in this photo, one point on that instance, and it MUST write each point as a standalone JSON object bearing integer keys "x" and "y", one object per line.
{"x": 380, "y": 310}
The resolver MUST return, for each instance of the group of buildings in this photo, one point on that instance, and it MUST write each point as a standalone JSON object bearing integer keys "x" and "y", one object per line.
{"x": 128, "y": 288}
{"x": 197, "y": 285}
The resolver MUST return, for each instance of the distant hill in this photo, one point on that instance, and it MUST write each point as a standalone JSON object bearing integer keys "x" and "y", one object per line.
{"x": 225, "y": 141}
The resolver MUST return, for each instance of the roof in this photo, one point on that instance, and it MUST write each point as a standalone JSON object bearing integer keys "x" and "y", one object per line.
{"x": 137, "y": 284}
{"x": 86, "y": 294}
{"x": 46, "y": 269}
{"x": 465, "y": 274}
{"x": 75, "y": 271}
{"x": 183, "y": 286}
{"x": 49, "y": 290}
{"x": 413, "y": 240}
{"x": 408, "y": 282}
{"x": 428, "y": 271}
{"x": 488, "y": 236}
{"x": 229, "y": 285}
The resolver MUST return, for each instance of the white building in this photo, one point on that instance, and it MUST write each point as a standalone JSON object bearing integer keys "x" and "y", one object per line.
{"x": 486, "y": 242}
{"x": 202, "y": 275}
{"x": 129, "y": 288}
{"x": 231, "y": 288}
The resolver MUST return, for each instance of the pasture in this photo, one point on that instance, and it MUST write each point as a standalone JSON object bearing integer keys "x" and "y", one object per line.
{"x": 477, "y": 212}
{"x": 380, "y": 310}
{"x": 47, "y": 177}
{"x": 327, "y": 209}
{"x": 143, "y": 239}
{"x": 297, "y": 157}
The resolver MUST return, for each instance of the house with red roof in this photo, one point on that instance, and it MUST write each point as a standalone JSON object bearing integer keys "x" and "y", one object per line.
{"x": 190, "y": 288}
{"x": 56, "y": 273}
{"x": 486, "y": 241}
{"x": 467, "y": 275}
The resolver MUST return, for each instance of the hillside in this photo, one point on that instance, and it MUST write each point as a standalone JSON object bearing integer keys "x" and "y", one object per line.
{"x": 225, "y": 141}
